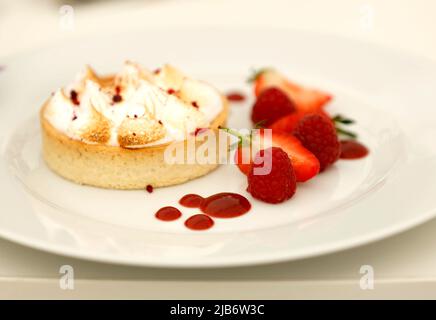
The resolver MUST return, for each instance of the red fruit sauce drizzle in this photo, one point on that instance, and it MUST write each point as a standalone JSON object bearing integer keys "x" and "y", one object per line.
{"x": 149, "y": 188}
{"x": 221, "y": 205}
{"x": 236, "y": 96}
{"x": 351, "y": 149}
{"x": 191, "y": 201}
{"x": 168, "y": 214}
{"x": 199, "y": 222}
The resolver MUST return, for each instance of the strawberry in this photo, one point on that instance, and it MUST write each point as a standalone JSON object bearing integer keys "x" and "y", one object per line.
{"x": 305, "y": 99}
{"x": 318, "y": 134}
{"x": 243, "y": 159}
{"x": 271, "y": 104}
{"x": 279, "y": 183}
{"x": 288, "y": 123}
{"x": 305, "y": 164}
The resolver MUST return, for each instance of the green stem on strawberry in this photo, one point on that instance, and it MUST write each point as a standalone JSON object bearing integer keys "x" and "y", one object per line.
{"x": 339, "y": 120}
{"x": 347, "y": 133}
{"x": 243, "y": 140}
{"x": 232, "y": 132}
{"x": 255, "y": 73}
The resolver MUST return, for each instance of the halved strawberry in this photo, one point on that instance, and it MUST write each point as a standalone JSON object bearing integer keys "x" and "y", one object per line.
{"x": 288, "y": 123}
{"x": 305, "y": 99}
{"x": 243, "y": 159}
{"x": 243, "y": 153}
{"x": 305, "y": 164}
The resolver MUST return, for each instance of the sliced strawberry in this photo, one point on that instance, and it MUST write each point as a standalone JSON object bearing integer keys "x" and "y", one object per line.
{"x": 305, "y": 99}
{"x": 243, "y": 159}
{"x": 288, "y": 123}
{"x": 305, "y": 164}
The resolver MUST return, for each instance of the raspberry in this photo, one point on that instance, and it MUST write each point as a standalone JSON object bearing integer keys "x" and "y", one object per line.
{"x": 318, "y": 134}
{"x": 279, "y": 184}
{"x": 271, "y": 105}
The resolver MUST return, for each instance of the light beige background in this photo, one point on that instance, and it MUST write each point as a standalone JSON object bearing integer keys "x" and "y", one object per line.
{"x": 405, "y": 265}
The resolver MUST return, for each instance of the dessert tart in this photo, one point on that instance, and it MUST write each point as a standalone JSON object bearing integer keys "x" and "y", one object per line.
{"x": 114, "y": 131}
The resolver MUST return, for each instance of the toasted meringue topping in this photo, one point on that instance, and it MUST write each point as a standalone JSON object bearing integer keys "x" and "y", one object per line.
{"x": 136, "y": 108}
{"x": 135, "y": 132}
{"x": 169, "y": 78}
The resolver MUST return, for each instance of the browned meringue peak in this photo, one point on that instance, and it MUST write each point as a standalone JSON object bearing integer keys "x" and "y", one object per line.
{"x": 97, "y": 129}
{"x": 79, "y": 83}
{"x": 136, "y": 132}
{"x": 91, "y": 124}
{"x": 131, "y": 76}
{"x": 175, "y": 113}
{"x": 194, "y": 93}
{"x": 169, "y": 78}
{"x": 201, "y": 95}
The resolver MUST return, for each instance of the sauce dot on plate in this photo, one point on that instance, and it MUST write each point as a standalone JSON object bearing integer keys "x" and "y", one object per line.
{"x": 351, "y": 149}
{"x": 225, "y": 205}
{"x": 191, "y": 201}
{"x": 199, "y": 222}
{"x": 168, "y": 214}
{"x": 235, "y": 96}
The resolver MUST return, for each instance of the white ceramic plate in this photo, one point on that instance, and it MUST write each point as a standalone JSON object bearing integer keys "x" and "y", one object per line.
{"x": 390, "y": 94}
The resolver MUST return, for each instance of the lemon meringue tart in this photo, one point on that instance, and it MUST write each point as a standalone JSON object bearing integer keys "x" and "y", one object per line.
{"x": 113, "y": 131}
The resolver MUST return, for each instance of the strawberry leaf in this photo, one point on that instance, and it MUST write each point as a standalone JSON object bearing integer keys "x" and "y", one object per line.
{"x": 343, "y": 120}
{"x": 256, "y": 73}
{"x": 339, "y": 120}
{"x": 347, "y": 133}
